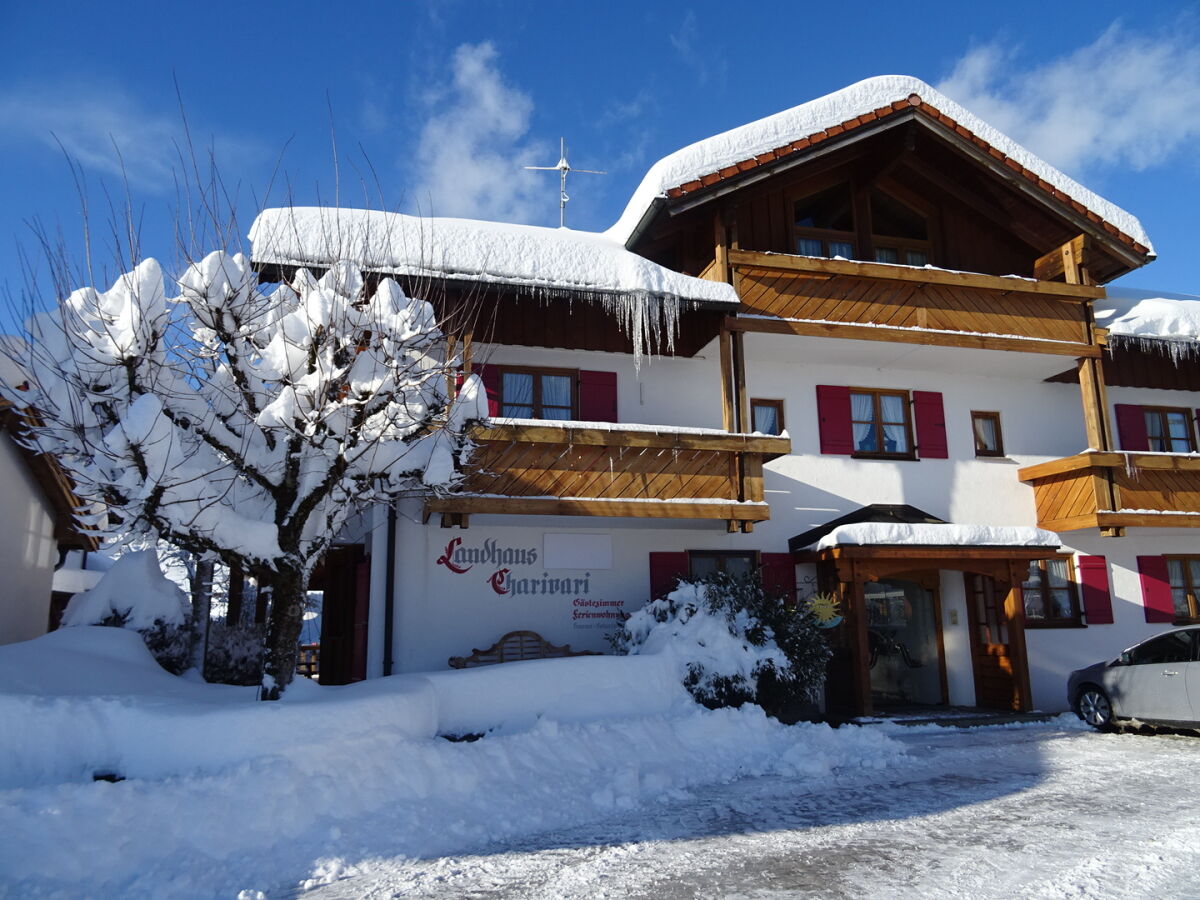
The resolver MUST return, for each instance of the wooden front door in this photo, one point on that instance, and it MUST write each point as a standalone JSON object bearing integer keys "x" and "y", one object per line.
{"x": 997, "y": 644}
{"x": 343, "y": 579}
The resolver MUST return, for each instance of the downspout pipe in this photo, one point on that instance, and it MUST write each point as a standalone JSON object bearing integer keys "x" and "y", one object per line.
{"x": 389, "y": 594}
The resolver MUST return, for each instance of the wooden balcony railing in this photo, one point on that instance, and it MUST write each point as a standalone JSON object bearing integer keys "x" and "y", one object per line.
{"x": 575, "y": 470}
{"x": 876, "y": 302}
{"x": 1115, "y": 490}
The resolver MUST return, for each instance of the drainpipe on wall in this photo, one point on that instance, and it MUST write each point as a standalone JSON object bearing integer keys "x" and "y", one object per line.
{"x": 389, "y": 593}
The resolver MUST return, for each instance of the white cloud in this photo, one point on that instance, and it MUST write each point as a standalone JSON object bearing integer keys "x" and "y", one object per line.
{"x": 1125, "y": 99}
{"x": 472, "y": 148}
{"x": 106, "y": 131}
{"x": 705, "y": 63}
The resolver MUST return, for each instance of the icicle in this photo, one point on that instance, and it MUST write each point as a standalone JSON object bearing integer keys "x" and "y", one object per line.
{"x": 1178, "y": 350}
{"x": 1131, "y": 469}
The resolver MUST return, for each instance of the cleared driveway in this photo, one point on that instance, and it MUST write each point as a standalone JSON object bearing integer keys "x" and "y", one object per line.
{"x": 1043, "y": 811}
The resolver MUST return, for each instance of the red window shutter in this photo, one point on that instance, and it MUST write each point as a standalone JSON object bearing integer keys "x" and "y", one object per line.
{"x": 833, "y": 417}
{"x": 598, "y": 396}
{"x": 931, "y": 425}
{"x": 779, "y": 574}
{"x": 1131, "y": 426}
{"x": 1156, "y": 589}
{"x": 1093, "y": 585}
{"x": 491, "y": 384}
{"x": 665, "y": 570}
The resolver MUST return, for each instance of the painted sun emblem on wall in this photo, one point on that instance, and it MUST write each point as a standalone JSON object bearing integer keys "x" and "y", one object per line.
{"x": 825, "y": 608}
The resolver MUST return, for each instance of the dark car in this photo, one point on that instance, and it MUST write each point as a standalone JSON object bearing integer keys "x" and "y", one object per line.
{"x": 1156, "y": 682}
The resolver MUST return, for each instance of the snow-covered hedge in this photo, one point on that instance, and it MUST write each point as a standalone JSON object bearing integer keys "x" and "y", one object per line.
{"x": 135, "y": 594}
{"x": 735, "y": 642}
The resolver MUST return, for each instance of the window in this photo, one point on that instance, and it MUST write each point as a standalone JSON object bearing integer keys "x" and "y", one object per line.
{"x": 538, "y": 393}
{"x": 708, "y": 562}
{"x": 824, "y": 223}
{"x": 900, "y": 235}
{"x": 1049, "y": 593}
{"x": 986, "y": 428}
{"x": 880, "y": 423}
{"x": 1169, "y": 430}
{"x": 767, "y": 416}
{"x": 1175, "y": 647}
{"x": 1183, "y": 573}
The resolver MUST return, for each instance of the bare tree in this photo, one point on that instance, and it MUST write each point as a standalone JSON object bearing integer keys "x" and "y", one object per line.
{"x": 246, "y": 424}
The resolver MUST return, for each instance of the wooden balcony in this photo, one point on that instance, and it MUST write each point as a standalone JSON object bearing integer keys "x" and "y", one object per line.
{"x": 875, "y": 302}
{"x": 1115, "y": 490}
{"x": 579, "y": 470}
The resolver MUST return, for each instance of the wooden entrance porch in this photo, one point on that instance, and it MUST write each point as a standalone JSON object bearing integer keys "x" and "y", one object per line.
{"x": 995, "y": 615}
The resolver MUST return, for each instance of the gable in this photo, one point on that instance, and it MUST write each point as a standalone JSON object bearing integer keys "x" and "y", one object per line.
{"x": 982, "y": 188}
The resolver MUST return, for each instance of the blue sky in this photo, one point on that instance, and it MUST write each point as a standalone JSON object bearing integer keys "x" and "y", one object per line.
{"x": 436, "y": 106}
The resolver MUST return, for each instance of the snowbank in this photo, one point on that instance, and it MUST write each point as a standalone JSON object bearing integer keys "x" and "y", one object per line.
{"x": 739, "y": 144}
{"x": 134, "y": 589}
{"x": 93, "y": 699}
{"x": 225, "y": 794}
{"x": 513, "y": 696}
{"x": 870, "y": 533}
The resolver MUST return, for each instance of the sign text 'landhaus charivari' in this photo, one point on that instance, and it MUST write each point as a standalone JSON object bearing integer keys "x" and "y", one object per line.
{"x": 505, "y": 570}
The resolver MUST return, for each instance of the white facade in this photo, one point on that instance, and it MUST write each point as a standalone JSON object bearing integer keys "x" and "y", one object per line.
{"x": 27, "y": 553}
{"x": 440, "y": 612}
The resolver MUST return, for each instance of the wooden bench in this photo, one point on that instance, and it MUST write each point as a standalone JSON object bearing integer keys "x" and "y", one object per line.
{"x": 517, "y": 645}
{"x": 308, "y": 660}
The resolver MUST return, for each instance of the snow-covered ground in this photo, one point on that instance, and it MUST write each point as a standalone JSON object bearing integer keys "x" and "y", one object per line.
{"x": 1046, "y": 811}
{"x": 345, "y": 792}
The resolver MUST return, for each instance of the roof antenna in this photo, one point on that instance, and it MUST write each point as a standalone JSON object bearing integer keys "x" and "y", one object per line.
{"x": 563, "y": 168}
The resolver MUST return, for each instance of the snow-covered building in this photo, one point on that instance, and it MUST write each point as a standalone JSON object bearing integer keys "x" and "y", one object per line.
{"x": 861, "y": 344}
{"x": 37, "y": 506}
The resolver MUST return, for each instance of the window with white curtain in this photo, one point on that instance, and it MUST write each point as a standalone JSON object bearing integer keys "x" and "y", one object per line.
{"x": 538, "y": 394}
{"x": 881, "y": 422}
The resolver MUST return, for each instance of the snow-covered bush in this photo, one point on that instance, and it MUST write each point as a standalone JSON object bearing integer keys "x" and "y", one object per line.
{"x": 235, "y": 653}
{"x": 735, "y": 642}
{"x": 135, "y": 594}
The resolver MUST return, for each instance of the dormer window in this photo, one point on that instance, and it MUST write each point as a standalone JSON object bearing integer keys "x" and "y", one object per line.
{"x": 824, "y": 223}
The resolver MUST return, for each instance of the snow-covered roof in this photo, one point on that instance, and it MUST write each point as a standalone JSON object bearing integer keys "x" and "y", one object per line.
{"x": 549, "y": 260}
{"x": 946, "y": 535}
{"x": 1132, "y": 314}
{"x": 738, "y": 148}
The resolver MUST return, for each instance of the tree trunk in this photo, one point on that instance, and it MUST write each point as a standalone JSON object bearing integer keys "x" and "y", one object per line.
{"x": 283, "y": 631}
{"x": 202, "y": 591}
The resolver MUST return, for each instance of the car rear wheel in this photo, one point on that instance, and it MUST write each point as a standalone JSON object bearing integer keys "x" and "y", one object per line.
{"x": 1095, "y": 708}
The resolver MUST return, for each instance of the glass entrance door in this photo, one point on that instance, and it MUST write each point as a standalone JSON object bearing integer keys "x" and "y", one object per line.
{"x": 902, "y": 643}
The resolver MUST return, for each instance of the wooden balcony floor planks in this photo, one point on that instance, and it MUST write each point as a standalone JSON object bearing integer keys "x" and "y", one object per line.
{"x": 850, "y": 300}
{"x": 1150, "y": 490}
{"x": 574, "y": 469}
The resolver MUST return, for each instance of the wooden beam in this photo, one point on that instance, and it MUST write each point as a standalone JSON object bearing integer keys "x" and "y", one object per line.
{"x": 741, "y": 416}
{"x": 946, "y": 277}
{"x": 1095, "y": 418}
{"x": 550, "y": 506}
{"x": 860, "y": 653}
{"x": 720, "y": 270}
{"x": 1063, "y": 262}
{"x": 726, "y": 354}
{"x": 1113, "y": 459}
{"x": 1169, "y": 519}
{"x": 851, "y": 332}
{"x": 621, "y": 437}
{"x": 451, "y": 375}
{"x": 1014, "y": 609}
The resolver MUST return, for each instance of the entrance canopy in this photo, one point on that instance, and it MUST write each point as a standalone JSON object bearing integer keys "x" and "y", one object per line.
{"x": 904, "y": 535}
